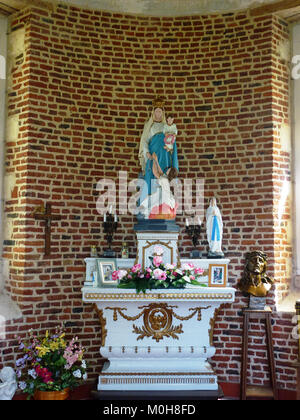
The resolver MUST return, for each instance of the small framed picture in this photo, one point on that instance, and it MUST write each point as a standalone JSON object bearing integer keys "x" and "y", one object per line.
{"x": 217, "y": 275}
{"x": 105, "y": 268}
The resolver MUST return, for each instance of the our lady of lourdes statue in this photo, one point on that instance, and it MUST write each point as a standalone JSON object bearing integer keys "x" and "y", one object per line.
{"x": 214, "y": 229}
{"x": 159, "y": 165}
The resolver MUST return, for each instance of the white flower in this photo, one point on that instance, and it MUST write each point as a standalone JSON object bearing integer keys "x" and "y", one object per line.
{"x": 77, "y": 373}
{"x": 121, "y": 274}
{"x": 158, "y": 250}
{"x": 32, "y": 373}
{"x": 22, "y": 385}
{"x": 170, "y": 266}
{"x": 83, "y": 364}
{"x": 84, "y": 376}
{"x": 188, "y": 267}
{"x": 179, "y": 271}
{"x": 187, "y": 279}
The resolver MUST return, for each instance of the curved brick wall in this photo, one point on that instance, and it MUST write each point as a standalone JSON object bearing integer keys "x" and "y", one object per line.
{"x": 78, "y": 95}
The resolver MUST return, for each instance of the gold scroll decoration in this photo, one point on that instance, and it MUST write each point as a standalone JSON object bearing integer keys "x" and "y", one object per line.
{"x": 157, "y": 320}
{"x": 102, "y": 321}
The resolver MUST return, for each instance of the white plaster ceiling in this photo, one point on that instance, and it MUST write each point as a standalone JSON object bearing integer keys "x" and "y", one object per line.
{"x": 169, "y": 7}
{"x": 147, "y": 7}
{"x": 154, "y": 7}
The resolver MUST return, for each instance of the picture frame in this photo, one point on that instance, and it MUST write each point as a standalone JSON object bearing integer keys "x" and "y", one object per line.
{"x": 217, "y": 276}
{"x": 105, "y": 268}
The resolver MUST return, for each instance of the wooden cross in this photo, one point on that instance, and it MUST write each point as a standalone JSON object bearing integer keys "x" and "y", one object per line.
{"x": 47, "y": 215}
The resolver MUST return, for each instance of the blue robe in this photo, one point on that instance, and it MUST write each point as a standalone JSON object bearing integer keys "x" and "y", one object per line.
{"x": 165, "y": 159}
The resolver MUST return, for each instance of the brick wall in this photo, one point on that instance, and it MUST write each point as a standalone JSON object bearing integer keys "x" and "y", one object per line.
{"x": 79, "y": 93}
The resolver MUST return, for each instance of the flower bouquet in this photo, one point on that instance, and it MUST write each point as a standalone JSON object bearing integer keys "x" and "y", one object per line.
{"x": 50, "y": 363}
{"x": 158, "y": 275}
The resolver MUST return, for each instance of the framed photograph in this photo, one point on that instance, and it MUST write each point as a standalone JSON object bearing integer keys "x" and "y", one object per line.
{"x": 217, "y": 275}
{"x": 105, "y": 268}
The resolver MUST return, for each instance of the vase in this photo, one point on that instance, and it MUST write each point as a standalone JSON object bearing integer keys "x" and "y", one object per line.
{"x": 51, "y": 395}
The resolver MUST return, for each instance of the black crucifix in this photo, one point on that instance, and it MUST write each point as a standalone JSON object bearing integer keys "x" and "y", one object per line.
{"x": 47, "y": 215}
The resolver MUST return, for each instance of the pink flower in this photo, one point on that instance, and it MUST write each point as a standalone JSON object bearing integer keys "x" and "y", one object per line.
{"x": 136, "y": 268}
{"x": 192, "y": 277}
{"x": 199, "y": 270}
{"x": 157, "y": 273}
{"x": 118, "y": 275}
{"x": 157, "y": 261}
{"x": 163, "y": 276}
{"x": 72, "y": 353}
{"x": 44, "y": 373}
{"x": 115, "y": 275}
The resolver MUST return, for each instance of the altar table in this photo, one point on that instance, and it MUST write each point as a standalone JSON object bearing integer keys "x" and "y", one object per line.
{"x": 160, "y": 340}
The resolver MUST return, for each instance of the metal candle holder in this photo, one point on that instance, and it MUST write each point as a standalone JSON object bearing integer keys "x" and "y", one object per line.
{"x": 194, "y": 232}
{"x": 110, "y": 225}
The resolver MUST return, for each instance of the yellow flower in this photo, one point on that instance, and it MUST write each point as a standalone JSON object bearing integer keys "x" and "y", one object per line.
{"x": 63, "y": 344}
{"x": 54, "y": 346}
{"x": 42, "y": 351}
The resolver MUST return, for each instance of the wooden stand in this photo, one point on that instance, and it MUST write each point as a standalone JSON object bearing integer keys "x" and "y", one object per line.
{"x": 254, "y": 391}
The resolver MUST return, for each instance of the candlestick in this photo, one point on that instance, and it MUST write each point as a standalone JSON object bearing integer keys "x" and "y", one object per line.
{"x": 110, "y": 227}
{"x": 194, "y": 232}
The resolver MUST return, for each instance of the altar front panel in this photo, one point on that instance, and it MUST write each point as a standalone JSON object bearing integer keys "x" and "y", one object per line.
{"x": 160, "y": 340}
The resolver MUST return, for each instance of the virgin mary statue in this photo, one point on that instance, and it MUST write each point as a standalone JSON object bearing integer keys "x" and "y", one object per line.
{"x": 214, "y": 229}
{"x": 159, "y": 166}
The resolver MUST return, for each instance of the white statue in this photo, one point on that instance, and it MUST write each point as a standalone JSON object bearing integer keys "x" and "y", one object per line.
{"x": 8, "y": 383}
{"x": 214, "y": 229}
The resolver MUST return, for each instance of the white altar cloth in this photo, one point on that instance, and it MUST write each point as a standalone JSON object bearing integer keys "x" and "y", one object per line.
{"x": 160, "y": 340}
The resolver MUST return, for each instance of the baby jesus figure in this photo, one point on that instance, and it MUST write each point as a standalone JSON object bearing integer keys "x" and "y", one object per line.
{"x": 170, "y": 132}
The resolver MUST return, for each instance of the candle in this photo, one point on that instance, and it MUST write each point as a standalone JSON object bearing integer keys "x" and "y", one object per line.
{"x": 186, "y": 222}
{"x": 199, "y": 221}
{"x": 110, "y": 210}
{"x": 104, "y": 219}
{"x": 116, "y": 218}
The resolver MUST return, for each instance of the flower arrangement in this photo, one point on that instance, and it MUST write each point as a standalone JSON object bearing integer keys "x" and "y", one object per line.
{"x": 158, "y": 275}
{"x": 50, "y": 363}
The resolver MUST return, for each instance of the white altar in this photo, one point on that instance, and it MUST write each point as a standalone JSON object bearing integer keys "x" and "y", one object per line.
{"x": 160, "y": 340}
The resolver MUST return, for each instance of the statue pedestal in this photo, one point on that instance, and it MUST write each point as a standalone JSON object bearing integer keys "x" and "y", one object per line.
{"x": 160, "y": 340}
{"x": 150, "y": 233}
{"x": 146, "y": 241}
